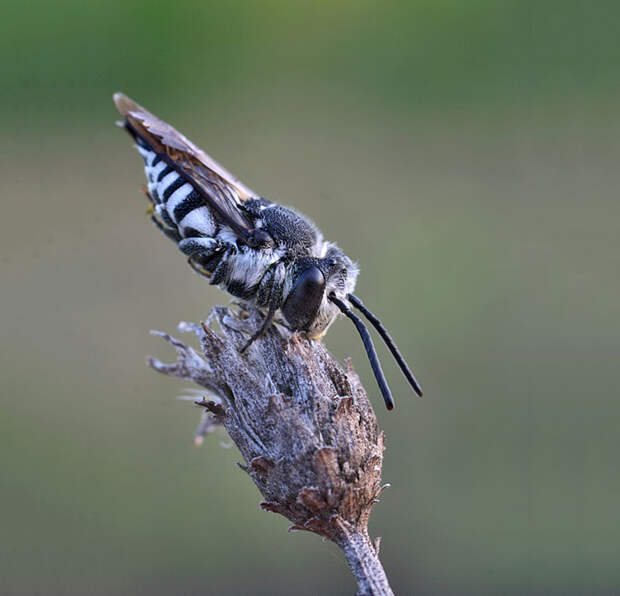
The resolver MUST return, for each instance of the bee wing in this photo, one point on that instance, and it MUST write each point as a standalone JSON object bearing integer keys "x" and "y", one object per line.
{"x": 221, "y": 190}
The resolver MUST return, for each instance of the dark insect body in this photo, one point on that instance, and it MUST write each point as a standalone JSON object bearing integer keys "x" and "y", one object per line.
{"x": 254, "y": 249}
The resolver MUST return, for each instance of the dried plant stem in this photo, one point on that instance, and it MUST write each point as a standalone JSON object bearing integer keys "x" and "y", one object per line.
{"x": 303, "y": 425}
{"x": 363, "y": 558}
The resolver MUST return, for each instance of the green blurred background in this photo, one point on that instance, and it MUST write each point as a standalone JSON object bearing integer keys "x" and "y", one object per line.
{"x": 465, "y": 153}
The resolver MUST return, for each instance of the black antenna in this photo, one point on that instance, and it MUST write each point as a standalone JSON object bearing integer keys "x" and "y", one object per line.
{"x": 389, "y": 342}
{"x": 370, "y": 351}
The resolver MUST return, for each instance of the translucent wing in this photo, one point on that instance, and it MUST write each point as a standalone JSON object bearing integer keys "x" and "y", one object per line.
{"x": 222, "y": 192}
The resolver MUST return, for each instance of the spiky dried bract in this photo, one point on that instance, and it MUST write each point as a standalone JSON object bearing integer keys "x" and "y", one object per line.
{"x": 303, "y": 424}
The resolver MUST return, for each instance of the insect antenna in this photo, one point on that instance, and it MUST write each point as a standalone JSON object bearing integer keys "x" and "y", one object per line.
{"x": 389, "y": 342}
{"x": 370, "y": 350}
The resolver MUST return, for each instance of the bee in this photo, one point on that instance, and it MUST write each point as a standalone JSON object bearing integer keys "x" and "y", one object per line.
{"x": 258, "y": 251}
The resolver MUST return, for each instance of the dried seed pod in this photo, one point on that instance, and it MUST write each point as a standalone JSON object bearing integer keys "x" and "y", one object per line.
{"x": 304, "y": 425}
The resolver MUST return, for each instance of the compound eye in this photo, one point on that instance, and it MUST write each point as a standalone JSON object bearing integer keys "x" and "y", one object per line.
{"x": 302, "y": 303}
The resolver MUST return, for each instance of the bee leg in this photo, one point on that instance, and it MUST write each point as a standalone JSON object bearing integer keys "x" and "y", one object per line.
{"x": 172, "y": 234}
{"x": 203, "y": 254}
{"x": 147, "y": 194}
{"x": 220, "y": 272}
{"x": 265, "y": 287}
{"x": 206, "y": 246}
{"x": 274, "y": 282}
{"x": 201, "y": 263}
{"x": 266, "y": 322}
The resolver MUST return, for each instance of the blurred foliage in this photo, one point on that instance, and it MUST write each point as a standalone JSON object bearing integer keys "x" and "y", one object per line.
{"x": 465, "y": 153}
{"x": 65, "y": 54}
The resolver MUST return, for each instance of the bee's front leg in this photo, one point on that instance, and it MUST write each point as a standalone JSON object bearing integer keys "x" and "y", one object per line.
{"x": 269, "y": 294}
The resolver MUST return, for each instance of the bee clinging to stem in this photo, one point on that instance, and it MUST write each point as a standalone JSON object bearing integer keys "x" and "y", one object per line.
{"x": 254, "y": 249}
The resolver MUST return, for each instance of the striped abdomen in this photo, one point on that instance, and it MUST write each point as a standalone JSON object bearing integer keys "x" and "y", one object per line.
{"x": 177, "y": 203}
{"x": 183, "y": 216}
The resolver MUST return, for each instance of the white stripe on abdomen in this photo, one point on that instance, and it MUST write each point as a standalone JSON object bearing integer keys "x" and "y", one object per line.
{"x": 165, "y": 183}
{"x": 199, "y": 219}
{"x": 152, "y": 173}
{"x": 177, "y": 197}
